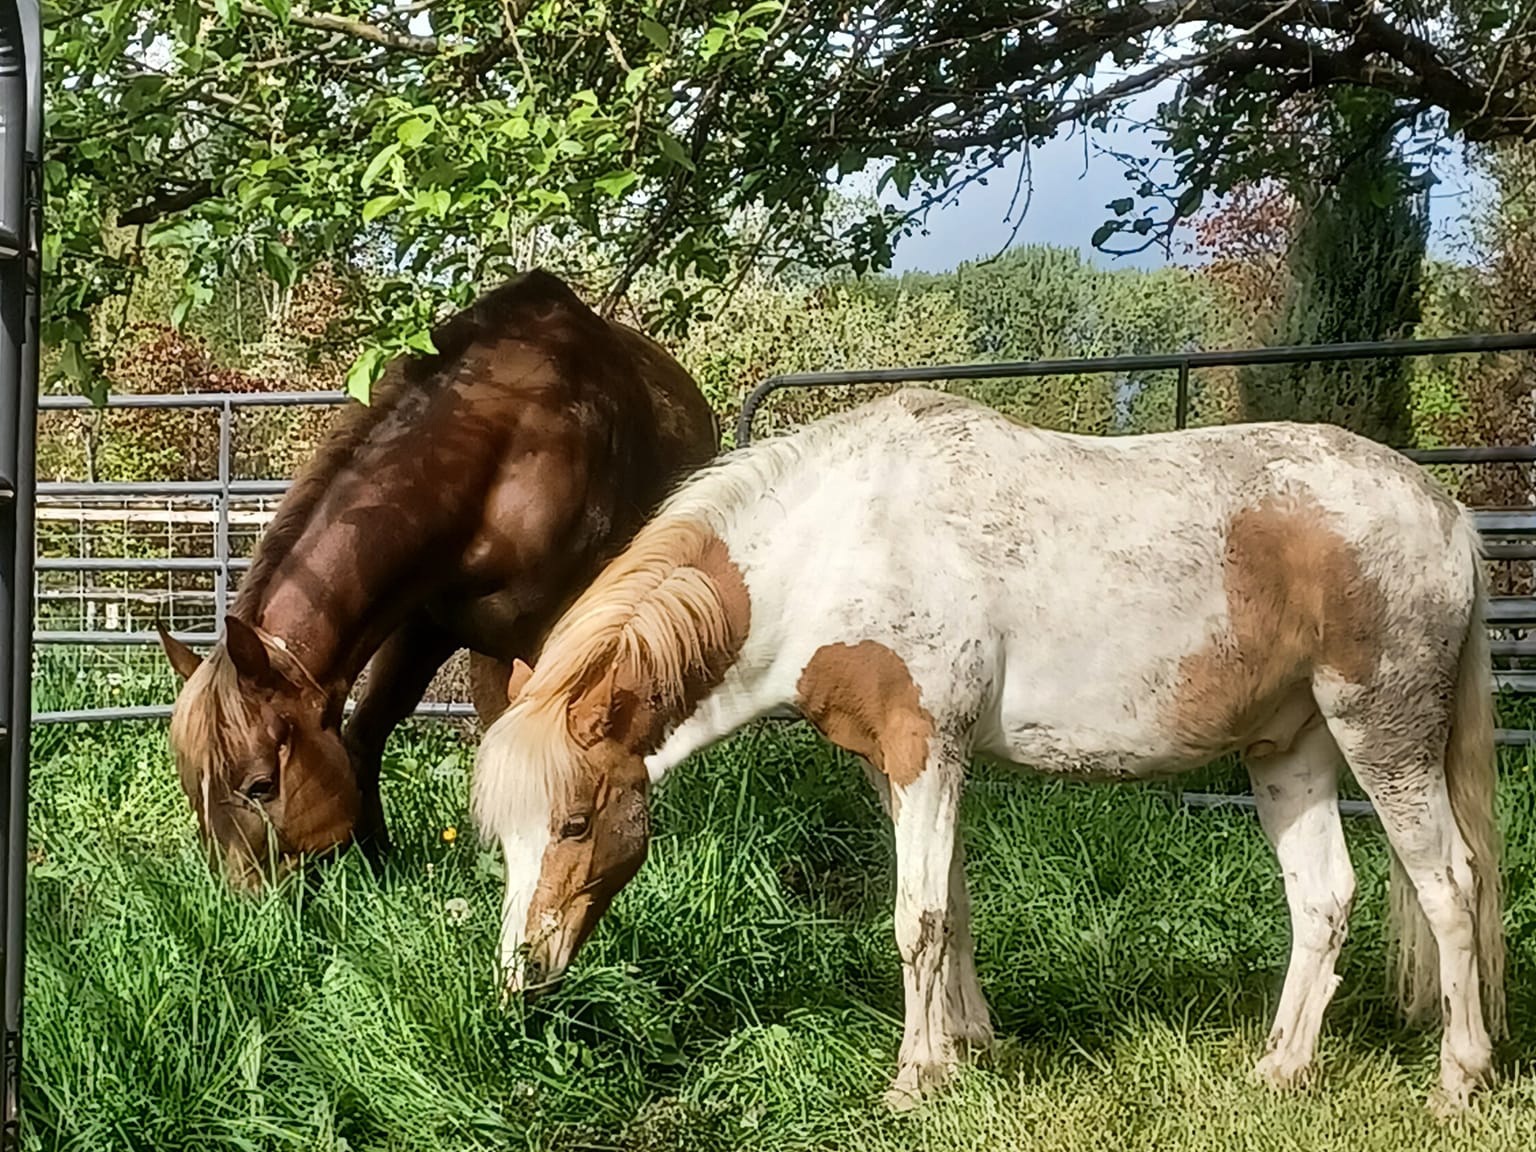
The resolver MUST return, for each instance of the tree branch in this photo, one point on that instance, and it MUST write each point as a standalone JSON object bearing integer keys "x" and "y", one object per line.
{"x": 354, "y": 28}
{"x": 166, "y": 203}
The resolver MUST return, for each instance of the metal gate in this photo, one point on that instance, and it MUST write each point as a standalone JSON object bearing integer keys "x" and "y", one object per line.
{"x": 21, "y": 134}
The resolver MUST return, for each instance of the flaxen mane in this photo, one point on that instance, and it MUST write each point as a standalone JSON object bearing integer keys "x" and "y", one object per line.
{"x": 653, "y": 614}
{"x": 199, "y": 735}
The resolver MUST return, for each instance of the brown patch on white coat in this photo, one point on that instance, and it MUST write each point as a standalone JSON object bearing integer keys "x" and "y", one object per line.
{"x": 862, "y": 698}
{"x": 1297, "y": 602}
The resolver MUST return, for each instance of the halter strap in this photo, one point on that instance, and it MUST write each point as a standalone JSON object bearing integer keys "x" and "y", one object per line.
{"x": 281, "y": 645}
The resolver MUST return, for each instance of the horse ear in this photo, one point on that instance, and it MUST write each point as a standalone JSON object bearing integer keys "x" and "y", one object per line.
{"x": 601, "y": 712}
{"x": 247, "y": 651}
{"x": 518, "y": 680}
{"x": 183, "y": 659}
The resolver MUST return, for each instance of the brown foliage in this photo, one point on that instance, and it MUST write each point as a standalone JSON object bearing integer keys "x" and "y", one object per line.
{"x": 300, "y": 351}
{"x": 1247, "y": 240}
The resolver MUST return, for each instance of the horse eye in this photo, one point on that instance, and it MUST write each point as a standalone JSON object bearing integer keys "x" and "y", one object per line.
{"x": 261, "y": 789}
{"x": 575, "y": 826}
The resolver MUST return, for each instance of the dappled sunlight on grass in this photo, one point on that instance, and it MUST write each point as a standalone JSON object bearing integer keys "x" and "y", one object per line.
{"x": 744, "y": 992}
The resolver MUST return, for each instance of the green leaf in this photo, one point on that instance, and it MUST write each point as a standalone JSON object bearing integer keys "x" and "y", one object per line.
{"x": 615, "y": 184}
{"x": 414, "y": 132}
{"x": 180, "y": 311}
{"x": 656, "y": 34}
{"x": 636, "y": 78}
{"x": 1103, "y": 232}
{"x": 378, "y": 163}
{"x": 1121, "y": 206}
{"x": 72, "y": 363}
{"x": 228, "y": 11}
{"x": 1189, "y": 201}
{"x": 278, "y": 263}
{"x": 672, "y": 149}
{"x": 186, "y": 20}
{"x": 762, "y": 8}
{"x": 170, "y": 234}
{"x": 366, "y": 369}
{"x": 421, "y": 341}
{"x": 902, "y": 175}
{"x": 378, "y": 206}
{"x": 278, "y": 8}
{"x": 712, "y": 42}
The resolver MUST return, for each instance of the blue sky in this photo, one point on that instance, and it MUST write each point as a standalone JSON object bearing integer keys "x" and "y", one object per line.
{"x": 1073, "y": 181}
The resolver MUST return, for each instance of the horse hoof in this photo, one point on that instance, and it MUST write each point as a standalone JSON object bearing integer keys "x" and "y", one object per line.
{"x": 913, "y": 1083}
{"x": 1282, "y": 1072}
{"x": 1458, "y": 1084}
{"x": 901, "y": 1099}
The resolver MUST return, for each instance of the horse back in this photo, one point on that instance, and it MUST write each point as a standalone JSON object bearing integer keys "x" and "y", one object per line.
{"x": 1113, "y": 605}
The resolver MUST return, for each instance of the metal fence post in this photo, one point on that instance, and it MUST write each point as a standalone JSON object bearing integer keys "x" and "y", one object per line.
{"x": 221, "y": 528}
{"x": 1181, "y": 398}
{"x": 21, "y": 137}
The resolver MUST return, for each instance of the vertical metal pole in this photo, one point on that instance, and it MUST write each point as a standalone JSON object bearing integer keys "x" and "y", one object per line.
{"x": 1181, "y": 398}
{"x": 21, "y": 108}
{"x": 221, "y": 529}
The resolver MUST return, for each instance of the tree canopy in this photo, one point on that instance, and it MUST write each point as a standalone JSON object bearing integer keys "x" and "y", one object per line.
{"x": 440, "y": 141}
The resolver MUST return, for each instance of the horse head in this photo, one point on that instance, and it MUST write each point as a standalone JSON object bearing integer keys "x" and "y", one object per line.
{"x": 260, "y": 753}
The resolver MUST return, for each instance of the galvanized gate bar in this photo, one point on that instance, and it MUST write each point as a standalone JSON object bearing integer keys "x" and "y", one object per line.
{"x": 192, "y": 400}
{"x": 1182, "y": 361}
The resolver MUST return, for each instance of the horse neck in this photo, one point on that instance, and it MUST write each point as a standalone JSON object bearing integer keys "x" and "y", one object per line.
{"x": 746, "y": 694}
{"x": 750, "y": 686}
{"x": 331, "y": 601}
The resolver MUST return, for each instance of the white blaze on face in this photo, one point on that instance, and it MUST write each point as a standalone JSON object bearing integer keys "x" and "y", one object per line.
{"x": 523, "y": 852}
{"x": 511, "y": 801}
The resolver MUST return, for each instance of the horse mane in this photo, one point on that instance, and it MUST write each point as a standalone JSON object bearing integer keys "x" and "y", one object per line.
{"x": 201, "y": 732}
{"x": 653, "y": 616}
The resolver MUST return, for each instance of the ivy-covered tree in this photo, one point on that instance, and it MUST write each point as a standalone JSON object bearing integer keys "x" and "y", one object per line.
{"x": 1355, "y": 268}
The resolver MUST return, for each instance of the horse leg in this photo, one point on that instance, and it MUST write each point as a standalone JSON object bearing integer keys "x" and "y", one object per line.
{"x": 398, "y": 675}
{"x": 1406, "y": 783}
{"x": 1297, "y": 795}
{"x": 965, "y": 1005}
{"x": 488, "y": 677}
{"x": 926, "y": 801}
{"x": 970, "y": 1020}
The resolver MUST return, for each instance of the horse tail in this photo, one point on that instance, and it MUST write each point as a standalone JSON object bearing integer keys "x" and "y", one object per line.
{"x": 1471, "y": 778}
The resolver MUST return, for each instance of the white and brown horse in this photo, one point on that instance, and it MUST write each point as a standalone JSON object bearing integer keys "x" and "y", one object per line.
{"x": 926, "y": 581}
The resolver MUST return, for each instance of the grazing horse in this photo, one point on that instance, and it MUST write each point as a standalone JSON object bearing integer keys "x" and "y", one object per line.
{"x": 464, "y": 507}
{"x": 926, "y": 581}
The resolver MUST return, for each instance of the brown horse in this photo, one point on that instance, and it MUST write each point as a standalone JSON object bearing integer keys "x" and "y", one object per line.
{"x": 476, "y": 495}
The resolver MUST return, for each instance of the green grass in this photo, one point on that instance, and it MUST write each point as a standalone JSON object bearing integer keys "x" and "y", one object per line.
{"x": 744, "y": 991}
